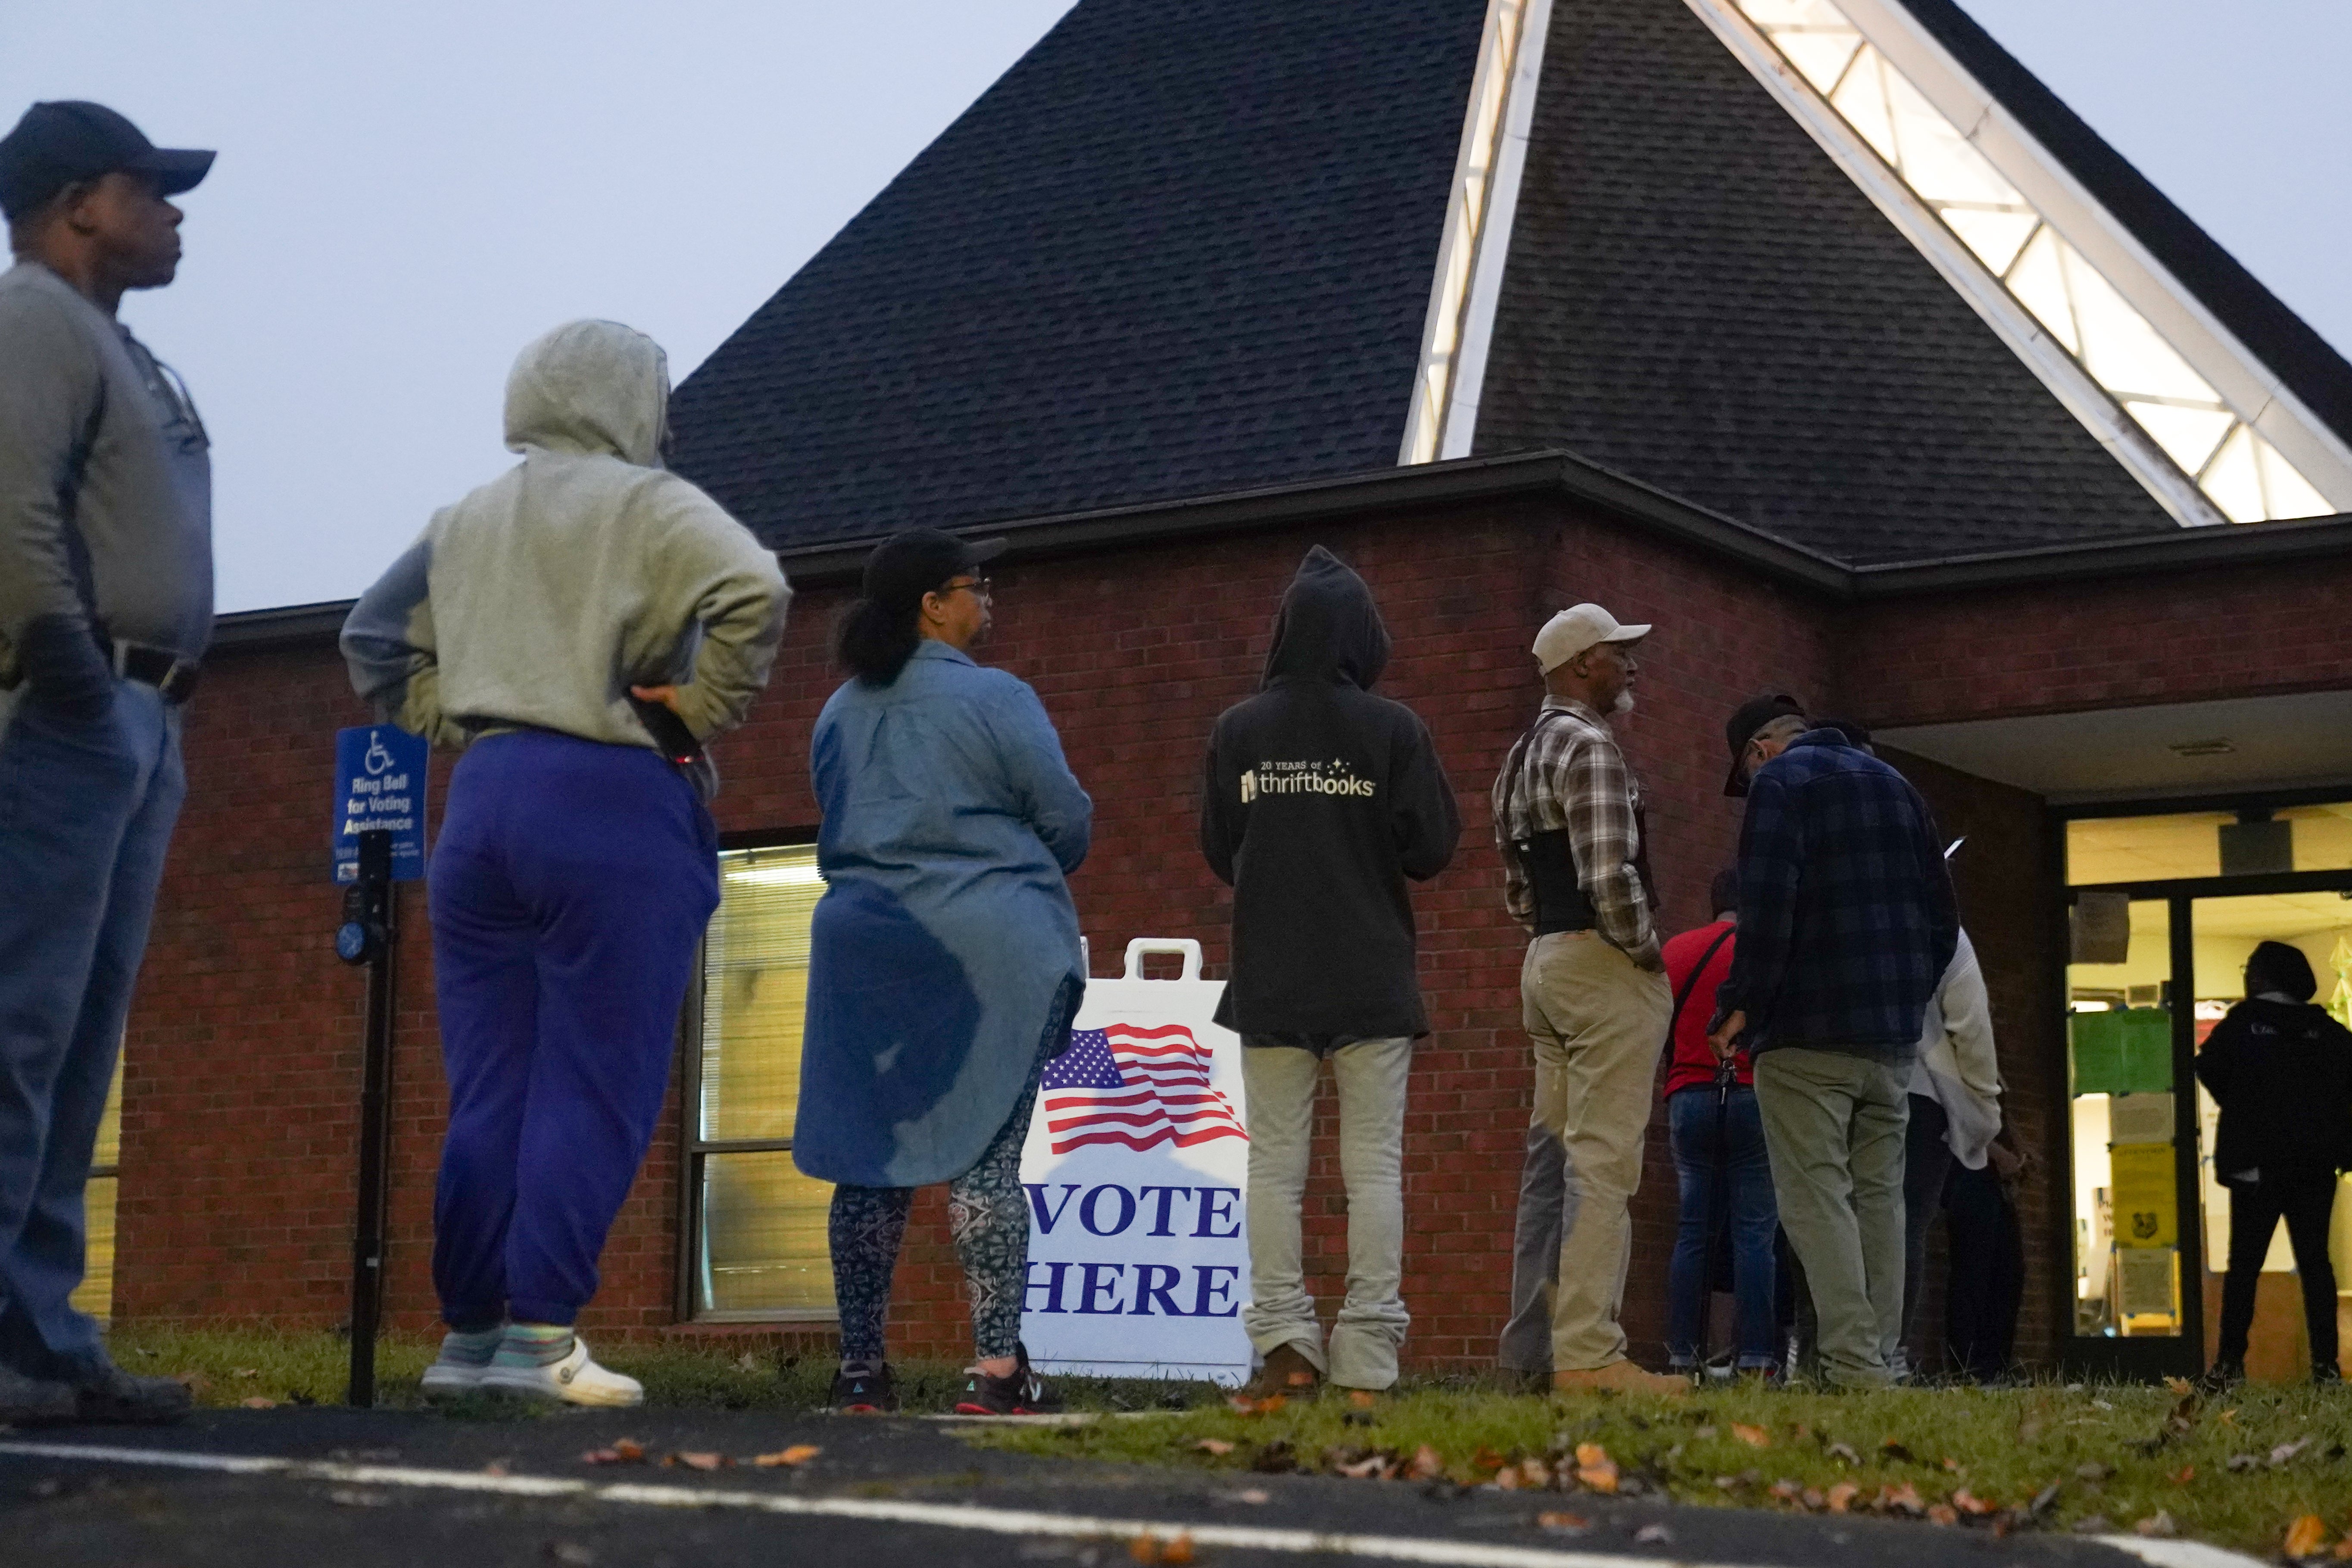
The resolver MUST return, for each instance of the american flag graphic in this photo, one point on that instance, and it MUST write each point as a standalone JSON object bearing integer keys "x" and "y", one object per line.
{"x": 1125, "y": 1084}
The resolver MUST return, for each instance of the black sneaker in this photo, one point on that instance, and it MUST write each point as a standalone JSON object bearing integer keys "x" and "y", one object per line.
{"x": 33, "y": 1401}
{"x": 111, "y": 1396}
{"x": 2221, "y": 1376}
{"x": 2325, "y": 1375}
{"x": 865, "y": 1394}
{"x": 1023, "y": 1394}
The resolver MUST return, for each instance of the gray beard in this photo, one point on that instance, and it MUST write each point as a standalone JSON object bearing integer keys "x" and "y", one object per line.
{"x": 1624, "y": 704}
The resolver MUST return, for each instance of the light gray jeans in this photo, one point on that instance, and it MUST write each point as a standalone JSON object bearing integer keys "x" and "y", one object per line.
{"x": 1834, "y": 1125}
{"x": 1279, "y": 1081}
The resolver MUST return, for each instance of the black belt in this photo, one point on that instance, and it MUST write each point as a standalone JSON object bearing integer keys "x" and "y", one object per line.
{"x": 174, "y": 677}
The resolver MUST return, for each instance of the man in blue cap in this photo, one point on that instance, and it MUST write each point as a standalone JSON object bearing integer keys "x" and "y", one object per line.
{"x": 106, "y": 607}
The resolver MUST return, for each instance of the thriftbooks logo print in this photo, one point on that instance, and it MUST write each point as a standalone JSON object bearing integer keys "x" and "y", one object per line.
{"x": 1135, "y": 1086}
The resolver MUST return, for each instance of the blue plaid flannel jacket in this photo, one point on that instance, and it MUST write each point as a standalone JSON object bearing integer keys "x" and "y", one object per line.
{"x": 1847, "y": 919}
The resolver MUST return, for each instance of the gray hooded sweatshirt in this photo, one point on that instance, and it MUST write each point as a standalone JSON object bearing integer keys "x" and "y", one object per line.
{"x": 541, "y": 598}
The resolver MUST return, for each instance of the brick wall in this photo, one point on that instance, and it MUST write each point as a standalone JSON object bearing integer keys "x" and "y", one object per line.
{"x": 240, "y": 1094}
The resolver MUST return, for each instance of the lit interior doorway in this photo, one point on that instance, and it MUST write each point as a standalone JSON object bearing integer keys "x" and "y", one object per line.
{"x": 2166, "y": 909}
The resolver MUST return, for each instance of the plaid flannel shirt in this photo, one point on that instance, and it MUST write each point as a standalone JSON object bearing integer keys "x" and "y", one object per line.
{"x": 1571, "y": 776}
{"x": 1847, "y": 919}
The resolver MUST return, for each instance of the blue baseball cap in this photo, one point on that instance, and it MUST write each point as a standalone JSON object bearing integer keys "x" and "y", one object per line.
{"x": 58, "y": 143}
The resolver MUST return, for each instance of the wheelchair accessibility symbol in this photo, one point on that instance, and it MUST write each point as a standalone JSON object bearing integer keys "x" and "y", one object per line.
{"x": 377, "y": 759}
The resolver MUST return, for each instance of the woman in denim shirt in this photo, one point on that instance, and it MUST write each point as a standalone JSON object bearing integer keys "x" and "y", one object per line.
{"x": 944, "y": 964}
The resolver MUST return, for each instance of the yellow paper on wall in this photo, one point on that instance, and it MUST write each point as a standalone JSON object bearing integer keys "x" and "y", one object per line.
{"x": 2147, "y": 1195}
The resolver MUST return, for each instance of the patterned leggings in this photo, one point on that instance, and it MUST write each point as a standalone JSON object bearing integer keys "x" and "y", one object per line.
{"x": 988, "y": 1215}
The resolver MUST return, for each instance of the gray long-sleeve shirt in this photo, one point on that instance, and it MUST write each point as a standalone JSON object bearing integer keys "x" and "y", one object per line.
{"x": 105, "y": 477}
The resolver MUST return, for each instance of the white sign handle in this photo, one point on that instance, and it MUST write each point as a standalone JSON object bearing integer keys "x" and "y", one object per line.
{"x": 1178, "y": 947}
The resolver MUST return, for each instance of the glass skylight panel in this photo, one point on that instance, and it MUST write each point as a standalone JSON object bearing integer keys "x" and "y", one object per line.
{"x": 2233, "y": 482}
{"x": 1996, "y": 236}
{"x": 2188, "y": 435}
{"x": 2117, "y": 346}
{"x": 2285, "y": 493}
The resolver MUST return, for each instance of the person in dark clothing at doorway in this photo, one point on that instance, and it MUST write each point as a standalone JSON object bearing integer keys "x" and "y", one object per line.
{"x": 2281, "y": 1070}
{"x": 1320, "y": 800}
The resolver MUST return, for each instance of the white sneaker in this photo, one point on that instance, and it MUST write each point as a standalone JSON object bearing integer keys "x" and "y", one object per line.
{"x": 452, "y": 1379}
{"x": 574, "y": 1380}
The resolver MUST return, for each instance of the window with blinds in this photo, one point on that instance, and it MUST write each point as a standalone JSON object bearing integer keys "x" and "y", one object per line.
{"x": 757, "y": 1225}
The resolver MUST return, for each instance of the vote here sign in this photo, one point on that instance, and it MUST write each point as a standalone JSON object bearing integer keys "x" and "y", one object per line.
{"x": 1135, "y": 1167}
{"x": 380, "y": 784}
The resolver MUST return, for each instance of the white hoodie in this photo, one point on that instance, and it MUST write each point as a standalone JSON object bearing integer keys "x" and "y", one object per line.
{"x": 541, "y": 598}
{"x": 1956, "y": 1067}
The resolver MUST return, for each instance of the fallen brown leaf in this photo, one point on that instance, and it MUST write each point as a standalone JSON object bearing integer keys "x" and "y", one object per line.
{"x": 797, "y": 1455}
{"x": 699, "y": 1460}
{"x": 1903, "y": 1499}
{"x": 1943, "y": 1514}
{"x": 1176, "y": 1550}
{"x": 259, "y": 1402}
{"x": 1246, "y": 1405}
{"x": 1813, "y": 1500}
{"x": 1595, "y": 1470}
{"x": 1560, "y": 1523}
{"x": 2158, "y": 1525}
{"x": 2306, "y": 1536}
{"x": 2183, "y": 1475}
{"x": 1951, "y": 1465}
{"x": 1787, "y": 1490}
{"x": 1361, "y": 1398}
{"x": 1426, "y": 1465}
{"x": 1841, "y": 1495}
{"x": 1754, "y": 1436}
{"x": 2179, "y": 1385}
{"x": 1975, "y": 1507}
{"x": 1217, "y": 1446}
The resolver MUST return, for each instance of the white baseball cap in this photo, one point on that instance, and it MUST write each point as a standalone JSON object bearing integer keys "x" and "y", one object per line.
{"x": 1572, "y": 631}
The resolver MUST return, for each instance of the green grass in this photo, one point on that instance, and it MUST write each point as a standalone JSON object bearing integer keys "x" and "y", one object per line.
{"x": 229, "y": 1367}
{"x": 2003, "y": 1447}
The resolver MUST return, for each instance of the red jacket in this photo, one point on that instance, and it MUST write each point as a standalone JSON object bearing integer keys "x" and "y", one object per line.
{"x": 1693, "y": 1064}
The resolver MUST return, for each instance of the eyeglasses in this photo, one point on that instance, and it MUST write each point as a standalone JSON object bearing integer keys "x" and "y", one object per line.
{"x": 980, "y": 586}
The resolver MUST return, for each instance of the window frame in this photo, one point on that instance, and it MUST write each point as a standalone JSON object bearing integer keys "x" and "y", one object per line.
{"x": 694, "y": 1150}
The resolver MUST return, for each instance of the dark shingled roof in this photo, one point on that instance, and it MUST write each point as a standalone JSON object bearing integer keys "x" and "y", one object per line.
{"x": 1698, "y": 297}
{"x": 1181, "y": 247}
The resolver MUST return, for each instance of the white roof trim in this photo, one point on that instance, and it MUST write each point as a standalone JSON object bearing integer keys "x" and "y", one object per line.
{"x": 1458, "y": 331}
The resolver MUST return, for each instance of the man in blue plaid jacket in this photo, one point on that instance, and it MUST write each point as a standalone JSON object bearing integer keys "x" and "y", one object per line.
{"x": 1847, "y": 920}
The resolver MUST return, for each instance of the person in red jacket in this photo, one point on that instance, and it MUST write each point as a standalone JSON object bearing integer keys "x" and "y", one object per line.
{"x": 1718, "y": 1139}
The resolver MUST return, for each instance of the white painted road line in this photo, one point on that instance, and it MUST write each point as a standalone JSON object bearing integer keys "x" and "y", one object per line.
{"x": 959, "y": 1516}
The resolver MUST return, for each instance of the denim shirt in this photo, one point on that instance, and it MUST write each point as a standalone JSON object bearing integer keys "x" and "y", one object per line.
{"x": 944, "y": 954}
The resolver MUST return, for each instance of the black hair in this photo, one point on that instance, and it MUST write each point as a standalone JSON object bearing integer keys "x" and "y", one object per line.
{"x": 873, "y": 642}
{"x": 2275, "y": 966}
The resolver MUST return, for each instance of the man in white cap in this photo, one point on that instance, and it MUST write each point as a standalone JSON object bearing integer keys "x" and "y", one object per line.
{"x": 1567, "y": 820}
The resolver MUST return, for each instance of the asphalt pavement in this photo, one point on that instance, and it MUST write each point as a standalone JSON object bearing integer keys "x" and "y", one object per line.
{"x": 365, "y": 1488}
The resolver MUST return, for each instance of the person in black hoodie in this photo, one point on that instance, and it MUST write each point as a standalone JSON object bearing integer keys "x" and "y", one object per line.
{"x": 2281, "y": 1070}
{"x": 1319, "y": 800}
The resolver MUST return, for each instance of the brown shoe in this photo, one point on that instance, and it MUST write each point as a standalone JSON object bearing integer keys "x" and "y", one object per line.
{"x": 1287, "y": 1372}
{"x": 1621, "y": 1377}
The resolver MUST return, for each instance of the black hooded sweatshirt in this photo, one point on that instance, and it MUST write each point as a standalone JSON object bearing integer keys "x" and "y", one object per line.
{"x": 1321, "y": 799}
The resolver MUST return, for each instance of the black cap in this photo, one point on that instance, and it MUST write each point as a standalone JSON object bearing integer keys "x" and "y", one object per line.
{"x": 1740, "y": 729}
{"x": 57, "y": 143}
{"x": 906, "y": 566}
{"x": 1723, "y": 893}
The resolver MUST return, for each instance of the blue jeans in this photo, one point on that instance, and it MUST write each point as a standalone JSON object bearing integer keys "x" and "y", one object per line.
{"x": 86, "y": 812}
{"x": 1737, "y": 1167}
{"x": 569, "y": 889}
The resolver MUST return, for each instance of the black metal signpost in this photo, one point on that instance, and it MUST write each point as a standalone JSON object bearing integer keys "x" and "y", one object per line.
{"x": 371, "y": 922}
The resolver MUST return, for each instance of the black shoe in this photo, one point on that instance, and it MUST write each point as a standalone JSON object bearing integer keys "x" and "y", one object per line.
{"x": 865, "y": 1393}
{"x": 112, "y": 1397}
{"x": 2325, "y": 1375}
{"x": 1023, "y": 1394}
{"x": 33, "y": 1401}
{"x": 2221, "y": 1377}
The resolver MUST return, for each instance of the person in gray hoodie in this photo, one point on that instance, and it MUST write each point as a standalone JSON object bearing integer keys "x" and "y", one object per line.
{"x": 579, "y": 626}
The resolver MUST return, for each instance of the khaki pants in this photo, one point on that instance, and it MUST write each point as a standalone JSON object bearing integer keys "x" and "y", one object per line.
{"x": 1279, "y": 1081}
{"x": 1597, "y": 1023}
{"x": 1834, "y": 1125}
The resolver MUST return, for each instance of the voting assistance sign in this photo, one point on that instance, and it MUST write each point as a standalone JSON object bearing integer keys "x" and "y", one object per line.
{"x": 1135, "y": 1167}
{"x": 380, "y": 784}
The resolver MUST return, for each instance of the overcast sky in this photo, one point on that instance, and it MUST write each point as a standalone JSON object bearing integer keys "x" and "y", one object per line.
{"x": 407, "y": 194}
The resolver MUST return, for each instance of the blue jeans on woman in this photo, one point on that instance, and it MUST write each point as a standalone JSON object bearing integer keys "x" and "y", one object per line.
{"x": 1732, "y": 1168}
